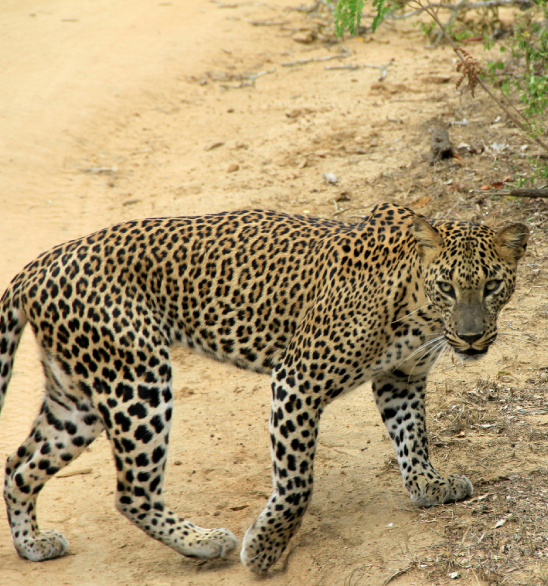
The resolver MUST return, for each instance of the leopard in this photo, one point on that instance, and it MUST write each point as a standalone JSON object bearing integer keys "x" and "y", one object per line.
{"x": 320, "y": 305}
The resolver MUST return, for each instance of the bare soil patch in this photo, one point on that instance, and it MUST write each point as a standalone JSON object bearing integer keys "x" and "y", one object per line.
{"x": 117, "y": 110}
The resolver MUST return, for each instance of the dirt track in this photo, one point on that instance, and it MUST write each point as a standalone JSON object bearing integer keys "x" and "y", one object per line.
{"x": 114, "y": 110}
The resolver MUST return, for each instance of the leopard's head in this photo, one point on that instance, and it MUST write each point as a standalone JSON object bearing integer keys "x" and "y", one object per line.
{"x": 469, "y": 275}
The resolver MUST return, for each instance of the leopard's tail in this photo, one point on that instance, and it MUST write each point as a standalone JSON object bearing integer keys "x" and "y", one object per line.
{"x": 12, "y": 322}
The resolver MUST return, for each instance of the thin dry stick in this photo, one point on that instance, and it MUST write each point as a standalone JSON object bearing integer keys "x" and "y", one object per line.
{"x": 471, "y": 70}
{"x": 344, "y": 53}
{"x": 268, "y": 22}
{"x": 396, "y": 575}
{"x": 382, "y": 68}
{"x": 70, "y": 473}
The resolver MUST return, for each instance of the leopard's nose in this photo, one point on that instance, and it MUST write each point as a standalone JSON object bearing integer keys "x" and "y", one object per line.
{"x": 470, "y": 339}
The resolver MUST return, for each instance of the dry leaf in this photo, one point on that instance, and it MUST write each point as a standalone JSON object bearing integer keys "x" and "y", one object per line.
{"x": 420, "y": 203}
{"x": 500, "y": 523}
{"x": 496, "y": 184}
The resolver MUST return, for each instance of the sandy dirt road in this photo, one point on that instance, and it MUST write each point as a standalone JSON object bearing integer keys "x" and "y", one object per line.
{"x": 85, "y": 93}
{"x": 116, "y": 110}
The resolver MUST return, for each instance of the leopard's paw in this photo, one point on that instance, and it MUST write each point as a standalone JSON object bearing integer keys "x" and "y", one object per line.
{"x": 47, "y": 545}
{"x": 209, "y": 543}
{"x": 261, "y": 549}
{"x": 438, "y": 491}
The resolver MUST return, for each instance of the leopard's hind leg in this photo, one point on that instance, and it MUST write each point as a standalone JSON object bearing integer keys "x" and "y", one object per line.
{"x": 66, "y": 425}
{"x": 137, "y": 416}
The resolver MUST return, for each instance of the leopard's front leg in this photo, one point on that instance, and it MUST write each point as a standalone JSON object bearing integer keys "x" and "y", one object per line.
{"x": 400, "y": 400}
{"x": 294, "y": 421}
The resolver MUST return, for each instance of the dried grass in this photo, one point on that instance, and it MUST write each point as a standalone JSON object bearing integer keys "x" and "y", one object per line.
{"x": 501, "y": 535}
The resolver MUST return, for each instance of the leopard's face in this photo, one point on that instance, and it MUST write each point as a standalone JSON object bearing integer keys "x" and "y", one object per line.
{"x": 469, "y": 281}
{"x": 469, "y": 297}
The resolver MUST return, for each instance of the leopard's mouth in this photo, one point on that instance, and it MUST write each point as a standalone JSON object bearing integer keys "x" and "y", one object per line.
{"x": 475, "y": 352}
{"x": 466, "y": 350}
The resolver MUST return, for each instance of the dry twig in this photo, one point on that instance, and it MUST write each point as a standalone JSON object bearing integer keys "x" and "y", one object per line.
{"x": 396, "y": 575}
{"x": 383, "y": 69}
{"x": 344, "y": 53}
{"x": 268, "y": 22}
{"x": 247, "y": 80}
{"x": 70, "y": 473}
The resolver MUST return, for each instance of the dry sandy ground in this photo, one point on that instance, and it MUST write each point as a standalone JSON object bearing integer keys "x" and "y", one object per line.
{"x": 119, "y": 109}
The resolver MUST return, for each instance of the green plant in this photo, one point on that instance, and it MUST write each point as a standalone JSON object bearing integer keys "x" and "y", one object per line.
{"x": 528, "y": 47}
{"x": 526, "y": 71}
{"x": 348, "y": 13}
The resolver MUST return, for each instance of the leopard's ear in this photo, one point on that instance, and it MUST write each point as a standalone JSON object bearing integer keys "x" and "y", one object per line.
{"x": 429, "y": 240}
{"x": 511, "y": 241}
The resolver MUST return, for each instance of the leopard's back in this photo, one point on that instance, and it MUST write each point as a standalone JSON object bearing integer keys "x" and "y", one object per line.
{"x": 233, "y": 285}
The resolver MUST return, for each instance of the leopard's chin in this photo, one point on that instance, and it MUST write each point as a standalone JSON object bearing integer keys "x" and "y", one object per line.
{"x": 472, "y": 354}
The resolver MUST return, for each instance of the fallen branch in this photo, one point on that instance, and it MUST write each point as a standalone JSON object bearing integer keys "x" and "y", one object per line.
{"x": 518, "y": 192}
{"x": 485, "y": 4}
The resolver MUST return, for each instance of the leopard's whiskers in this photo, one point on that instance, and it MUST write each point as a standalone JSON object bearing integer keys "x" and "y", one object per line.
{"x": 444, "y": 355}
{"x": 420, "y": 348}
{"x": 454, "y": 357}
{"x": 410, "y": 313}
{"x": 441, "y": 343}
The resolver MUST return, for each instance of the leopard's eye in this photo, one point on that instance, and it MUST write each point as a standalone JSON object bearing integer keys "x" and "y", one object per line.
{"x": 446, "y": 288}
{"x": 492, "y": 286}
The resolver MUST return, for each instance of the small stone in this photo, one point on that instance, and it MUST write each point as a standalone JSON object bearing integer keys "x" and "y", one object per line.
{"x": 454, "y": 575}
{"x": 343, "y": 196}
{"x": 304, "y": 36}
{"x": 295, "y": 113}
{"x": 233, "y": 168}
